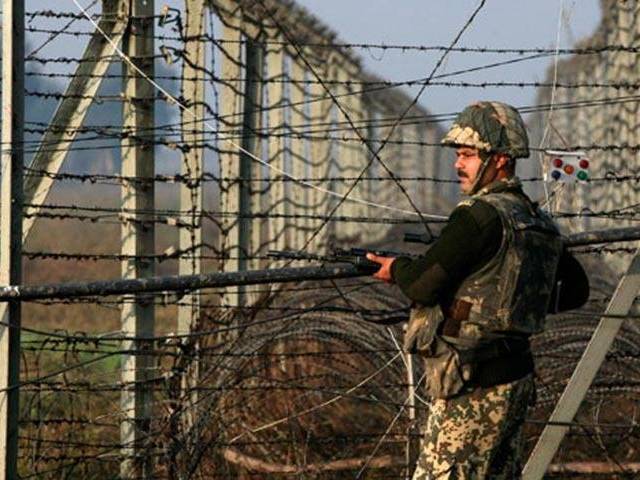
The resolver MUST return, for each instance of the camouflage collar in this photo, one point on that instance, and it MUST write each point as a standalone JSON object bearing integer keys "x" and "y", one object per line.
{"x": 498, "y": 186}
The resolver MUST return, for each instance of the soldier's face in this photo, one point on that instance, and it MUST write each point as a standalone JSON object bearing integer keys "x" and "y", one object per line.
{"x": 467, "y": 166}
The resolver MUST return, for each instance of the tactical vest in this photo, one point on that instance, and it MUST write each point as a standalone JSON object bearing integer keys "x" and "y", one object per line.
{"x": 512, "y": 292}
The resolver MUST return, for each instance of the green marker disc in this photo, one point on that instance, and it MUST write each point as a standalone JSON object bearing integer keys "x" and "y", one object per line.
{"x": 583, "y": 175}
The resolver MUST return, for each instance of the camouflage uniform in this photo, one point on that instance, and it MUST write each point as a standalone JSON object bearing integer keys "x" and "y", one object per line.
{"x": 491, "y": 127}
{"x": 476, "y": 436}
{"x": 474, "y": 426}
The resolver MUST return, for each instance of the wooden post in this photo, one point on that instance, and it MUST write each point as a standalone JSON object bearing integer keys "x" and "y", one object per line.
{"x": 11, "y": 203}
{"x": 138, "y": 239}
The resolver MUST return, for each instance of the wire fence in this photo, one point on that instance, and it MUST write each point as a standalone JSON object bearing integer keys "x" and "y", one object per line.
{"x": 265, "y": 132}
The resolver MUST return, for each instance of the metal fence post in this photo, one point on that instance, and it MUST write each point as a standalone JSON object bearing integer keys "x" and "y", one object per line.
{"x": 275, "y": 93}
{"x": 248, "y": 231}
{"x": 137, "y": 314}
{"x": 231, "y": 105}
{"x": 191, "y": 194}
{"x": 11, "y": 203}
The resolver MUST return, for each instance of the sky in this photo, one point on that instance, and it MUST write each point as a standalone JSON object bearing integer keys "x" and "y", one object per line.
{"x": 500, "y": 24}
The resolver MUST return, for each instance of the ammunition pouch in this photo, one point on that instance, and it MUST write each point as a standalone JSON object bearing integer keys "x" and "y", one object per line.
{"x": 421, "y": 329}
{"x": 455, "y": 365}
{"x": 446, "y": 375}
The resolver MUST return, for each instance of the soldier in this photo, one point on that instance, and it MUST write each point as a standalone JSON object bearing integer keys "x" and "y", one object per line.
{"x": 479, "y": 292}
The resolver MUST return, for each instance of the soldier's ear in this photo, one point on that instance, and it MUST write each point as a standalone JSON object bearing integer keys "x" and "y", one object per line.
{"x": 502, "y": 161}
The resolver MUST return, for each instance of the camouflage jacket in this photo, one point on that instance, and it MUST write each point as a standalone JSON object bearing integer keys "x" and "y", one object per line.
{"x": 512, "y": 292}
{"x": 508, "y": 295}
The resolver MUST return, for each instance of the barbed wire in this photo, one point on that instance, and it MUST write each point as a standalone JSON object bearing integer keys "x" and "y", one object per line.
{"x": 59, "y": 14}
{"x": 411, "y": 120}
{"x": 207, "y": 177}
{"x": 615, "y": 48}
{"x": 307, "y": 344}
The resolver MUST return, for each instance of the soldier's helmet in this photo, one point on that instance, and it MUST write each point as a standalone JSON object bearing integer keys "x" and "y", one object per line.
{"x": 493, "y": 127}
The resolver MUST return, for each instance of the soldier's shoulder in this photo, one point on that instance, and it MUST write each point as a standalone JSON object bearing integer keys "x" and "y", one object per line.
{"x": 467, "y": 202}
{"x": 482, "y": 212}
{"x": 477, "y": 206}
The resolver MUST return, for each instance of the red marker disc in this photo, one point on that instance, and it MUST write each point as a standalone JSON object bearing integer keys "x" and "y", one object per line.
{"x": 584, "y": 163}
{"x": 557, "y": 163}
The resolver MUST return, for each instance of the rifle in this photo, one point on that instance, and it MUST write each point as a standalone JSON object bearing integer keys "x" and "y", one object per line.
{"x": 354, "y": 256}
{"x": 357, "y": 256}
{"x": 357, "y": 265}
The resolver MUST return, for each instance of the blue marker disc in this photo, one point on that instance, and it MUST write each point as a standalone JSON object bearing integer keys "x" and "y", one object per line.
{"x": 556, "y": 175}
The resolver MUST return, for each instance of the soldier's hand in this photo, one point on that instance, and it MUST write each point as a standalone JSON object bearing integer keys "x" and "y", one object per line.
{"x": 384, "y": 273}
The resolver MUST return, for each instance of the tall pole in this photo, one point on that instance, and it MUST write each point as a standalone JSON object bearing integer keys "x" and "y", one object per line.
{"x": 11, "y": 228}
{"x": 276, "y": 96}
{"x": 297, "y": 97}
{"x": 231, "y": 109}
{"x": 137, "y": 315}
{"x": 191, "y": 206}
{"x": 249, "y": 237}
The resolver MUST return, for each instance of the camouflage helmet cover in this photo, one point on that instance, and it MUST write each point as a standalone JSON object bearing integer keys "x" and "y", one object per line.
{"x": 490, "y": 127}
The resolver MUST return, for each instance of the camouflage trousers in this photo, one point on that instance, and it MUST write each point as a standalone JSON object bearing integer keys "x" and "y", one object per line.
{"x": 476, "y": 436}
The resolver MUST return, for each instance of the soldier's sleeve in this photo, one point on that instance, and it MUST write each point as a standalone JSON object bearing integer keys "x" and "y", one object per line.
{"x": 571, "y": 286}
{"x": 470, "y": 239}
